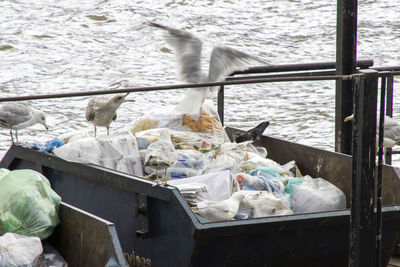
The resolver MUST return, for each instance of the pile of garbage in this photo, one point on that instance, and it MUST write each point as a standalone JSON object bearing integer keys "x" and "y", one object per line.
{"x": 28, "y": 214}
{"x": 194, "y": 154}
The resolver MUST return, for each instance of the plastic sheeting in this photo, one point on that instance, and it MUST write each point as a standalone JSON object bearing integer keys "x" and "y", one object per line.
{"x": 213, "y": 186}
{"x": 119, "y": 152}
{"x": 19, "y": 250}
{"x": 317, "y": 195}
{"x": 28, "y": 205}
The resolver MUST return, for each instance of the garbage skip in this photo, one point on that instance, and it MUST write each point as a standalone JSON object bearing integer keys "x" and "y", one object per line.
{"x": 86, "y": 240}
{"x": 156, "y": 226}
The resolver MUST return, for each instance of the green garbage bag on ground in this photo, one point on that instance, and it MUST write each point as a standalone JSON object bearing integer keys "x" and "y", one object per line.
{"x": 28, "y": 205}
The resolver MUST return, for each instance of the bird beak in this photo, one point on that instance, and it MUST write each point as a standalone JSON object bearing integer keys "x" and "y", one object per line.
{"x": 243, "y": 203}
{"x": 129, "y": 100}
{"x": 45, "y": 126}
{"x": 349, "y": 118}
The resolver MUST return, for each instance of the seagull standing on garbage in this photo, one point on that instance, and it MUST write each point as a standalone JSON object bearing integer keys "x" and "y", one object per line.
{"x": 17, "y": 116}
{"x": 224, "y": 210}
{"x": 253, "y": 134}
{"x": 161, "y": 154}
{"x": 101, "y": 111}
{"x": 223, "y": 62}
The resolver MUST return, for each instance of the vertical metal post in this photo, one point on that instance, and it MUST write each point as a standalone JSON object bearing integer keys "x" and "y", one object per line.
{"x": 362, "y": 219}
{"x": 221, "y": 104}
{"x": 389, "y": 112}
{"x": 379, "y": 176}
{"x": 346, "y": 55}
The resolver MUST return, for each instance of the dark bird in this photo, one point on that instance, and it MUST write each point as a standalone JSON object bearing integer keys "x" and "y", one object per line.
{"x": 223, "y": 61}
{"x": 16, "y": 116}
{"x": 252, "y": 134}
{"x": 101, "y": 111}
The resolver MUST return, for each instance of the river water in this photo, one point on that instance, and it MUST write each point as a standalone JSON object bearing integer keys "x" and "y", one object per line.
{"x": 72, "y": 46}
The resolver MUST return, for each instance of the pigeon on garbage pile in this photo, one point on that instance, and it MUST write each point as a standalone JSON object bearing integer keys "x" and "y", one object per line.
{"x": 391, "y": 131}
{"x": 224, "y": 210}
{"x": 17, "y": 116}
{"x": 253, "y": 134}
{"x": 223, "y": 62}
{"x": 101, "y": 111}
{"x": 161, "y": 154}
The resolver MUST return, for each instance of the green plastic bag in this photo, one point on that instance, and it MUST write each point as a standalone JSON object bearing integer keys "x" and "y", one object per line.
{"x": 28, "y": 205}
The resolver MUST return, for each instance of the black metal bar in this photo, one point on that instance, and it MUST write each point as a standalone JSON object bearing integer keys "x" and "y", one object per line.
{"x": 301, "y": 66}
{"x": 389, "y": 112}
{"x": 346, "y": 43}
{"x": 362, "y": 227}
{"x": 273, "y": 75}
{"x": 178, "y": 86}
{"x": 387, "y": 68}
{"x": 379, "y": 176}
{"x": 221, "y": 104}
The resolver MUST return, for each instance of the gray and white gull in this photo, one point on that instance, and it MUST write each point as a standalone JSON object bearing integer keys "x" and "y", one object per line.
{"x": 223, "y": 62}
{"x": 391, "y": 131}
{"x": 224, "y": 210}
{"x": 17, "y": 116}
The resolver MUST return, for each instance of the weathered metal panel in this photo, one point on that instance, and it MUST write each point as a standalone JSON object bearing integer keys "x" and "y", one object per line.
{"x": 86, "y": 240}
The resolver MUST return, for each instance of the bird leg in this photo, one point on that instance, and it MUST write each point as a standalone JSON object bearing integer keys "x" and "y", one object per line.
{"x": 94, "y": 130}
{"x": 16, "y": 136}
{"x": 108, "y": 130}
{"x": 12, "y": 138}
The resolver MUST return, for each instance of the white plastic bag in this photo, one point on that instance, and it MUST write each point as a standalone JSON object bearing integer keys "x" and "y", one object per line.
{"x": 180, "y": 139}
{"x": 222, "y": 162}
{"x": 19, "y": 250}
{"x": 207, "y": 126}
{"x": 317, "y": 195}
{"x": 119, "y": 152}
{"x": 213, "y": 186}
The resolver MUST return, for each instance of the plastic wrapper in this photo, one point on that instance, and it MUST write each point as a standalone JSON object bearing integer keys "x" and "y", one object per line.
{"x": 119, "y": 152}
{"x": 19, "y": 250}
{"x": 222, "y": 162}
{"x": 28, "y": 205}
{"x": 52, "y": 257}
{"x": 255, "y": 161}
{"x": 189, "y": 163}
{"x": 213, "y": 186}
{"x": 317, "y": 195}
{"x": 180, "y": 139}
{"x": 263, "y": 204}
{"x": 207, "y": 125}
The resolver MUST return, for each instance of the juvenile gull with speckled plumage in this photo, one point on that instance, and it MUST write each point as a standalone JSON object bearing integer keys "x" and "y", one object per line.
{"x": 101, "y": 111}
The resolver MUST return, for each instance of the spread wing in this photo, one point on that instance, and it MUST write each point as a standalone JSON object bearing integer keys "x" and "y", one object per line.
{"x": 188, "y": 51}
{"x": 225, "y": 60}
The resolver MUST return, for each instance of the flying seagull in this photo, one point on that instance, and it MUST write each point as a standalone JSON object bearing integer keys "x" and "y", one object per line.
{"x": 101, "y": 111}
{"x": 223, "y": 61}
{"x": 17, "y": 116}
{"x": 253, "y": 134}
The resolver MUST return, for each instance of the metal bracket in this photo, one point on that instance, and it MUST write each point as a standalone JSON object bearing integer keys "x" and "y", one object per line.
{"x": 140, "y": 212}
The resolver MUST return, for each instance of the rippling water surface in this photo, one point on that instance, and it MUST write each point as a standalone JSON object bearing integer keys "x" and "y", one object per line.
{"x": 71, "y": 46}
